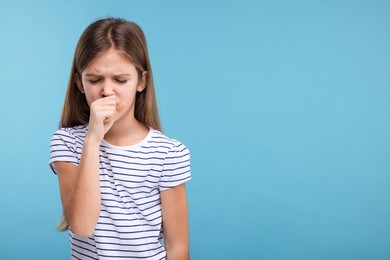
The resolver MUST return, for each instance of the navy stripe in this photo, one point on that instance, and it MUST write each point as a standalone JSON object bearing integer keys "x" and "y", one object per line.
{"x": 63, "y": 156}
{"x": 74, "y": 250}
{"x": 130, "y": 213}
{"x": 150, "y": 207}
{"x": 175, "y": 157}
{"x": 139, "y": 209}
{"x": 137, "y": 257}
{"x": 131, "y": 193}
{"x": 129, "y": 226}
{"x": 64, "y": 143}
{"x": 84, "y": 248}
{"x": 144, "y": 164}
{"x": 175, "y": 185}
{"x": 181, "y": 173}
{"x": 139, "y": 152}
{"x": 60, "y": 144}
{"x": 176, "y": 180}
{"x": 128, "y": 181}
{"x": 132, "y": 198}
{"x": 127, "y": 232}
{"x": 128, "y": 251}
{"x": 155, "y": 142}
{"x": 81, "y": 241}
{"x": 160, "y": 136}
{"x": 161, "y": 146}
{"x": 126, "y": 208}
{"x": 134, "y": 157}
{"x": 174, "y": 163}
{"x": 71, "y": 154}
{"x": 127, "y": 219}
{"x": 130, "y": 187}
{"x": 126, "y": 238}
{"x": 63, "y": 135}
{"x": 138, "y": 205}
{"x": 127, "y": 174}
{"x": 132, "y": 245}
{"x": 80, "y": 143}
{"x": 124, "y": 180}
{"x": 175, "y": 169}
{"x": 131, "y": 169}
{"x": 75, "y": 256}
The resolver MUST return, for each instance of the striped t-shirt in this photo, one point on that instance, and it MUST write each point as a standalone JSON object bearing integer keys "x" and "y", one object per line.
{"x": 131, "y": 178}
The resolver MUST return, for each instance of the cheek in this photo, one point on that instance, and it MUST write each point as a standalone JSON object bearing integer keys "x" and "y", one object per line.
{"x": 91, "y": 97}
{"x": 89, "y": 101}
{"x": 127, "y": 98}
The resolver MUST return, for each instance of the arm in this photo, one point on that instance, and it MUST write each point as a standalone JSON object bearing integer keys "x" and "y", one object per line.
{"x": 80, "y": 185}
{"x": 80, "y": 190}
{"x": 175, "y": 222}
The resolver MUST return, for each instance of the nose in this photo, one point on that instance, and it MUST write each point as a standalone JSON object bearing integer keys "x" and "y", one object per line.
{"x": 108, "y": 89}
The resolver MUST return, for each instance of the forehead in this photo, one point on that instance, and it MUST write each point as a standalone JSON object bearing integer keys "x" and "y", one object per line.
{"x": 110, "y": 62}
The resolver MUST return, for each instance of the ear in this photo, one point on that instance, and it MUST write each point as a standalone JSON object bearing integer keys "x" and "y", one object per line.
{"x": 142, "y": 82}
{"x": 79, "y": 83}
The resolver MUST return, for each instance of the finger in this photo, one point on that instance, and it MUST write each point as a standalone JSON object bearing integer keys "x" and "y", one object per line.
{"x": 98, "y": 106}
{"x": 109, "y": 119}
{"x": 104, "y": 107}
{"x": 107, "y": 100}
{"x": 101, "y": 115}
{"x": 107, "y": 111}
{"x": 111, "y": 98}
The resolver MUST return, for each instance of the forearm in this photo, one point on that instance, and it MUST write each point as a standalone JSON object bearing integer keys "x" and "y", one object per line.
{"x": 175, "y": 223}
{"x": 83, "y": 205}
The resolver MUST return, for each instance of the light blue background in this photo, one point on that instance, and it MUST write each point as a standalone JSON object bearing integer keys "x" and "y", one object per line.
{"x": 285, "y": 106}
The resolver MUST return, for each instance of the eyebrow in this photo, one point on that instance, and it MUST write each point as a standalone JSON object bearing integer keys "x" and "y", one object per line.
{"x": 115, "y": 75}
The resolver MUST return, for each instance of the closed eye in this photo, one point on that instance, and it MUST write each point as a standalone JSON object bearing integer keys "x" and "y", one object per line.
{"x": 121, "y": 81}
{"x": 94, "y": 81}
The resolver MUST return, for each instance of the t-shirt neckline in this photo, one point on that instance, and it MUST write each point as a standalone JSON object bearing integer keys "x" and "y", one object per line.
{"x": 129, "y": 147}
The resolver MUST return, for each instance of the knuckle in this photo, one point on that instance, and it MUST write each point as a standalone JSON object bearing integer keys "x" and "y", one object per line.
{"x": 93, "y": 105}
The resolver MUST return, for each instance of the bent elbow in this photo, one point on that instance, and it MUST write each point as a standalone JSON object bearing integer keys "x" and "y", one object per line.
{"x": 83, "y": 227}
{"x": 83, "y": 231}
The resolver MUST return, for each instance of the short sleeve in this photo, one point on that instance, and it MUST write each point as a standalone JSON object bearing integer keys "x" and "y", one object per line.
{"x": 176, "y": 169}
{"x": 63, "y": 148}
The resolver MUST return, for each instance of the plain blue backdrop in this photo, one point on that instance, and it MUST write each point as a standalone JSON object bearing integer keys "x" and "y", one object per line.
{"x": 284, "y": 105}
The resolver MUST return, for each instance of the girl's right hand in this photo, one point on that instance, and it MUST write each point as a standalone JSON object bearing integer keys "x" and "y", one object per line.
{"x": 103, "y": 113}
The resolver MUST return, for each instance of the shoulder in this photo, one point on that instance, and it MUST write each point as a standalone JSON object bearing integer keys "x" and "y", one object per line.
{"x": 176, "y": 167}
{"x": 79, "y": 131}
{"x": 172, "y": 148}
{"x": 65, "y": 145}
{"x": 169, "y": 143}
{"x": 71, "y": 136}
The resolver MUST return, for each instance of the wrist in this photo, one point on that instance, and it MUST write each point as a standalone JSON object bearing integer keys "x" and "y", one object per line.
{"x": 92, "y": 141}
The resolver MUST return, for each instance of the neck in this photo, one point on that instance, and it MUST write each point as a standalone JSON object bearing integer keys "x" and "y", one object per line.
{"x": 126, "y": 131}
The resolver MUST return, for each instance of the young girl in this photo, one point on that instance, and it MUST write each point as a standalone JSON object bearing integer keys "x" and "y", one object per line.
{"x": 121, "y": 180}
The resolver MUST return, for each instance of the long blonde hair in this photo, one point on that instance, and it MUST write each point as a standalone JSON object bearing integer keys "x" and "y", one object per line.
{"x": 128, "y": 38}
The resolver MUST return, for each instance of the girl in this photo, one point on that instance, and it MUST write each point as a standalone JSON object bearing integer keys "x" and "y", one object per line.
{"x": 121, "y": 180}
